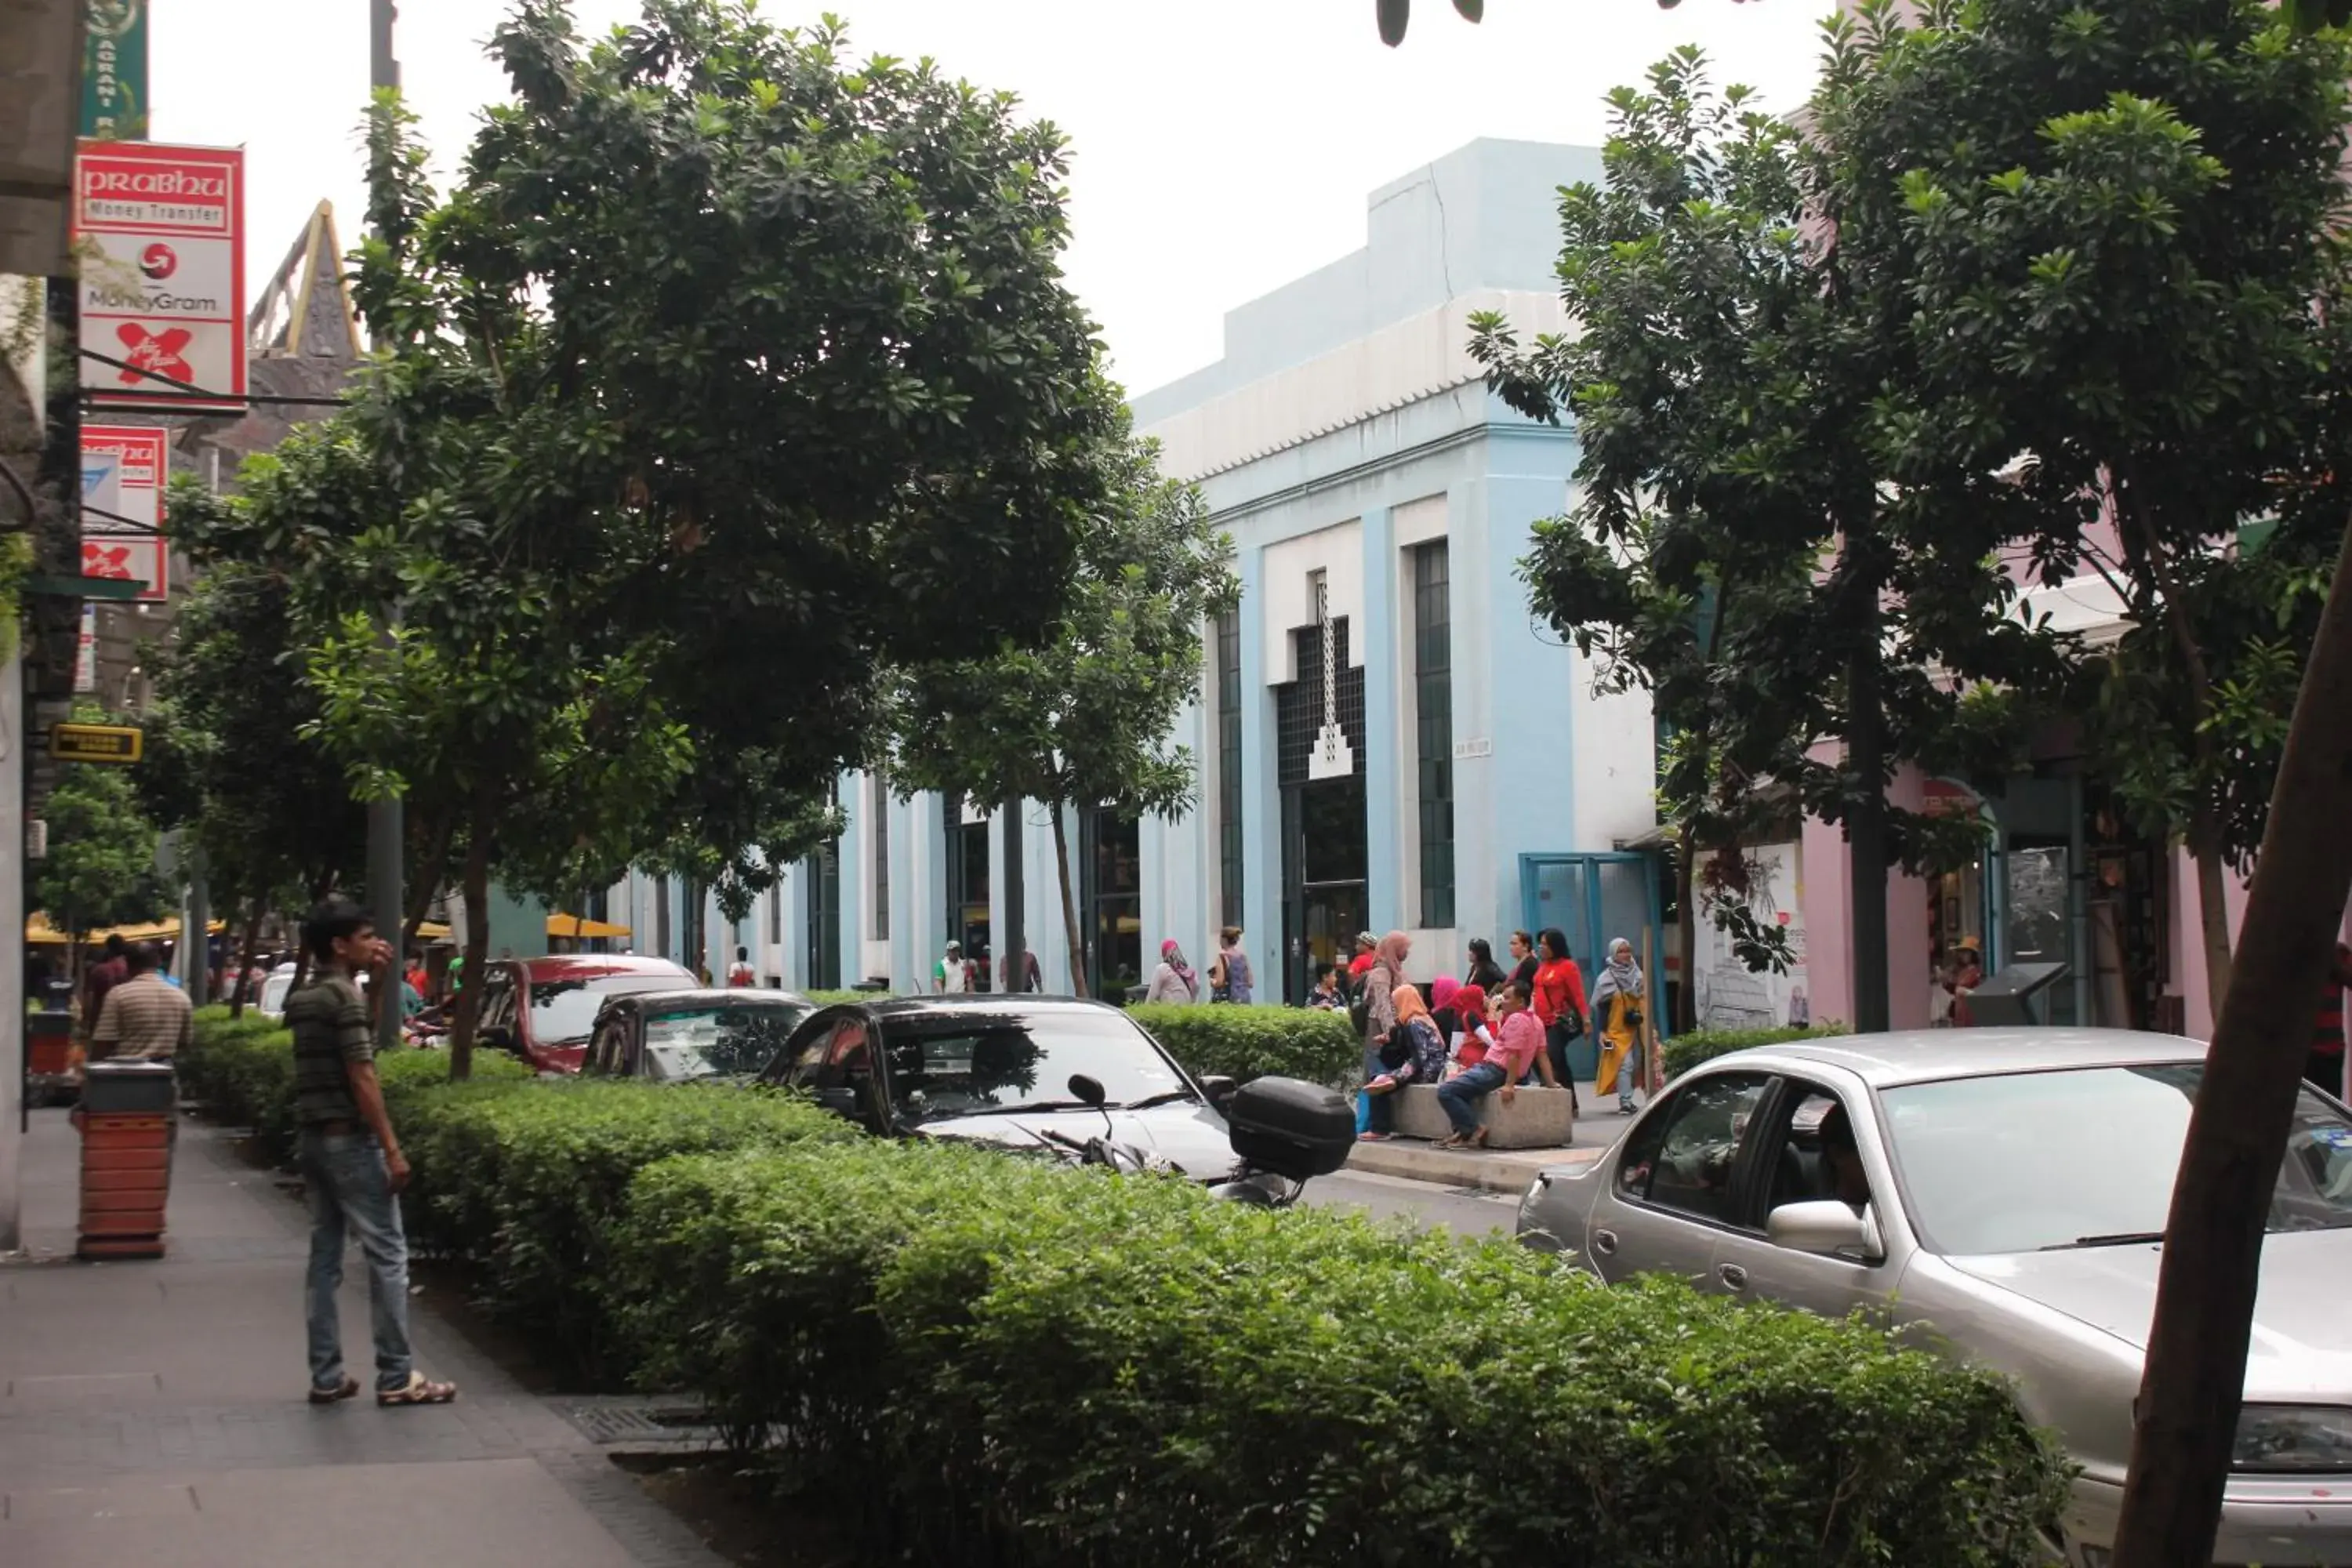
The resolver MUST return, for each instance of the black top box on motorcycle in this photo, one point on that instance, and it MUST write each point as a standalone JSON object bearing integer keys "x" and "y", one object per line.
{"x": 1290, "y": 1127}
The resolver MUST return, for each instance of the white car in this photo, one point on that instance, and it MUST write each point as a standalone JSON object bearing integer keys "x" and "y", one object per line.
{"x": 2000, "y": 1196}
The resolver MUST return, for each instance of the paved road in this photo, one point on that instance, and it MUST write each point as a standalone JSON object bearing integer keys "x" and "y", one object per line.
{"x": 1462, "y": 1209}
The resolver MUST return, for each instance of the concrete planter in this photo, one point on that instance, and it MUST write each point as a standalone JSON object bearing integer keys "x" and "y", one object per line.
{"x": 1535, "y": 1119}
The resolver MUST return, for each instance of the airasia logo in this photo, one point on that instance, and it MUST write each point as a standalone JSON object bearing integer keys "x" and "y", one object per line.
{"x": 106, "y": 181}
{"x": 159, "y": 261}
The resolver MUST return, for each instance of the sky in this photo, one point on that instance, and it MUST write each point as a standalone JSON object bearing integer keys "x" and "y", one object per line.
{"x": 1221, "y": 147}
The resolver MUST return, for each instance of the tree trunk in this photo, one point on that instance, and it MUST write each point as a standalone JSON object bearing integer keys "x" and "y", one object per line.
{"x": 1865, "y": 831}
{"x": 1069, "y": 901}
{"x": 251, "y": 935}
{"x": 421, "y": 893}
{"x": 478, "y": 948}
{"x": 1686, "y": 932}
{"x": 2187, "y": 1415}
{"x": 2212, "y": 903}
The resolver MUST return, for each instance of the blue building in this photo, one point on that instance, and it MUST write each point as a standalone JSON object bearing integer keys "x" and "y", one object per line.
{"x": 1386, "y": 738}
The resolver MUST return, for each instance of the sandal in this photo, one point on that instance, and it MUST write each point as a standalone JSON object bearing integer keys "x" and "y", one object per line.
{"x": 1478, "y": 1140}
{"x": 420, "y": 1390}
{"x": 347, "y": 1389}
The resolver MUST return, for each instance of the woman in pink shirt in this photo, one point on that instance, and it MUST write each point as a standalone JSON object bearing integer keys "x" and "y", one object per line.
{"x": 1521, "y": 1044}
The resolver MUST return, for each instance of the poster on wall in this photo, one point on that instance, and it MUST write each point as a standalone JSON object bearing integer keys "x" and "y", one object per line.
{"x": 160, "y": 234}
{"x": 1731, "y": 994}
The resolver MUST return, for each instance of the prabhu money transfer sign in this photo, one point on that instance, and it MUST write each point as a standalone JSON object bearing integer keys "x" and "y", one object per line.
{"x": 160, "y": 232}
{"x": 124, "y": 468}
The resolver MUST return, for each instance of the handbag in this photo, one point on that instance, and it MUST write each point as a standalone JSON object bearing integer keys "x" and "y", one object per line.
{"x": 1396, "y": 1047}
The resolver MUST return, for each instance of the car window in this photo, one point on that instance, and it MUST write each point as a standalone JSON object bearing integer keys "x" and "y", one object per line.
{"x": 562, "y": 1011}
{"x": 718, "y": 1041}
{"x": 835, "y": 1062}
{"x": 605, "y": 1055}
{"x": 498, "y": 1002}
{"x": 2025, "y": 1161}
{"x": 1801, "y": 1167}
{"x": 1688, "y": 1168}
{"x": 1011, "y": 1061}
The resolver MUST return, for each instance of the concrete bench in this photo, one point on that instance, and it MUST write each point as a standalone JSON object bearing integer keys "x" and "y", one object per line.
{"x": 1535, "y": 1119}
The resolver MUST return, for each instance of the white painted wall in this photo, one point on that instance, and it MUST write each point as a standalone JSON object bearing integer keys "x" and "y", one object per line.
{"x": 1288, "y": 601}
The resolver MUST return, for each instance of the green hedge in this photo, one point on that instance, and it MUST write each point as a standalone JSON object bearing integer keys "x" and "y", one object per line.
{"x": 1684, "y": 1052}
{"x": 989, "y": 1361}
{"x": 524, "y": 1183}
{"x": 1244, "y": 1042}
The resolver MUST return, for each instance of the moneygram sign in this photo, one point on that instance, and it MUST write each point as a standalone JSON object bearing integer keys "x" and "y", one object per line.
{"x": 161, "y": 233}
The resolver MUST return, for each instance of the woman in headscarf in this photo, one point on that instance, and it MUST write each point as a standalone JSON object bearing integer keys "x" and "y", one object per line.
{"x": 1374, "y": 1116}
{"x": 1617, "y": 1002}
{"x": 1428, "y": 1044}
{"x": 1173, "y": 981}
{"x": 1443, "y": 992}
{"x": 1472, "y": 1037}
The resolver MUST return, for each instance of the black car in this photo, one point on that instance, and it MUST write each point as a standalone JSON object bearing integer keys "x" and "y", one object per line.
{"x": 997, "y": 1069}
{"x": 675, "y": 1036}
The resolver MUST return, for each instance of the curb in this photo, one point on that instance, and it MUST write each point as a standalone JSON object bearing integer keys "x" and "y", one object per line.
{"x": 1501, "y": 1172}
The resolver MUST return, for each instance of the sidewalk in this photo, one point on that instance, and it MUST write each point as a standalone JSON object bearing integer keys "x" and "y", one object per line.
{"x": 153, "y": 1413}
{"x": 1499, "y": 1170}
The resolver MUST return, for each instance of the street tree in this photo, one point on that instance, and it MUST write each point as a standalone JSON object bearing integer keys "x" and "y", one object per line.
{"x": 726, "y": 375}
{"x": 1085, "y": 720}
{"x": 1736, "y": 547}
{"x": 2119, "y": 231}
{"x": 100, "y": 866}
{"x": 1393, "y": 17}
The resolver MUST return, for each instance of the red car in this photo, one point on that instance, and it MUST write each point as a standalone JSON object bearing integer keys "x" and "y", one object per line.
{"x": 542, "y": 1009}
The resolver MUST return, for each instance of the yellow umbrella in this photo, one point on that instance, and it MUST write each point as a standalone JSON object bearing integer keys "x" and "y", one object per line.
{"x": 574, "y": 927}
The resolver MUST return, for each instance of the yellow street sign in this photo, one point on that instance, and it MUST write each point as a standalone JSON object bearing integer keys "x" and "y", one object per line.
{"x": 96, "y": 744}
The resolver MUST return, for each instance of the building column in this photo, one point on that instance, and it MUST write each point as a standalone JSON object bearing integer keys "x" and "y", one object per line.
{"x": 1261, "y": 790}
{"x": 1374, "y": 645}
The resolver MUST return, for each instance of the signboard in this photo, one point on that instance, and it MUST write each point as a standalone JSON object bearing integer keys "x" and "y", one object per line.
{"x": 114, "y": 69}
{"x": 96, "y": 744}
{"x": 86, "y": 654}
{"x": 161, "y": 232}
{"x": 123, "y": 469}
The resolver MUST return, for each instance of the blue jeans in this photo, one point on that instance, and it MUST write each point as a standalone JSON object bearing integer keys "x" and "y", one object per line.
{"x": 349, "y": 1190}
{"x": 1459, "y": 1096}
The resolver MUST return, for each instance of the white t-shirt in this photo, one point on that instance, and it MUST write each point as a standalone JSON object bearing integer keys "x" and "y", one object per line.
{"x": 950, "y": 973}
{"x": 738, "y": 974}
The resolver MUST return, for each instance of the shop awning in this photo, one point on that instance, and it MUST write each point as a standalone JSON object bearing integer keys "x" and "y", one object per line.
{"x": 432, "y": 930}
{"x": 37, "y": 929}
{"x": 574, "y": 927}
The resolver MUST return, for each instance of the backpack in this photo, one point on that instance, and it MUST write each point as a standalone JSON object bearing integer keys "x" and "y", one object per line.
{"x": 1359, "y": 1003}
{"x": 1396, "y": 1047}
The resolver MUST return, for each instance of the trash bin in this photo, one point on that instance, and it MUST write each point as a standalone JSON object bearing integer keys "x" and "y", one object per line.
{"x": 2016, "y": 997}
{"x": 126, "y": 1157}
{"x": 48, "y": 1057}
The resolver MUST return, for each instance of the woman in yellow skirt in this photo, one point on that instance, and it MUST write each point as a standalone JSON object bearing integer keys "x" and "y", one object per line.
{"x": 1617, "y": 1002}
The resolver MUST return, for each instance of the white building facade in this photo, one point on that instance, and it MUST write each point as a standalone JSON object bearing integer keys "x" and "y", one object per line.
{"x": 1386, "y": 738}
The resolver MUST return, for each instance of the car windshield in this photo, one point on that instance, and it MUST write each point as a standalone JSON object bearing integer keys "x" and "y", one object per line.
{"x": 2083, "y": 1157}
{"x": 563, "y": 1011}
{"x": 719, "y": 1041}
{"x": 945, "y": 1066}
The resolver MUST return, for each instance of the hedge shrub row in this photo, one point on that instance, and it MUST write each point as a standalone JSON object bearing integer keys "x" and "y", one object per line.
{"x": 1684, "y": 1052}
{"x": 991, "y": 1361}
{"x": 1244, "y": 1042}
{"x": 526, "y": 1183}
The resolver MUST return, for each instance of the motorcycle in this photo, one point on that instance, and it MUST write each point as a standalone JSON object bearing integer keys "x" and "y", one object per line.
{"x": 1284, "y": 1132}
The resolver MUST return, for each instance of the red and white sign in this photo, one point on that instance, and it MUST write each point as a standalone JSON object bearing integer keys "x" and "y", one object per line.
{"x": 163, "y": 273}
{"x": 129, "y": 543}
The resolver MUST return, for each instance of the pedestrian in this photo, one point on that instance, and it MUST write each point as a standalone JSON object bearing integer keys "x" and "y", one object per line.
{"x": 1524, "y": 963}
{"x": 1472, "y": 1036}
{"x": 1033, "y": 978}
{"x": 950, "y": 974}
{"x": 1367, "y": 954}
{"x": 1443, "y": 992}
{"x": 1484, "y": 972}
{"x": 739, "y": 974}
{"x": 2323, "y": 1067}
{"x": 142, "y": 1019}
{"x": 1241, "y": 985}
{"x": 1559, "y": 993}
{"x": 1519, "y": 1044}
{"x": 419, "y": 980}
{"x": 1376, "y": 1002}
{"x": 1327, "y": 996}
{"x": 1617, "y": 1003}
{"x": 1173, "y": 981}
{"x": 102, "y": 977}
{"x": 1965, "y": 974}
{"x": 353, "y": 1169}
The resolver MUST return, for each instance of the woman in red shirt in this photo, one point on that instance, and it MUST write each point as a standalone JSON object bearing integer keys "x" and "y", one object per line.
{"x": 1559, "y": 1003}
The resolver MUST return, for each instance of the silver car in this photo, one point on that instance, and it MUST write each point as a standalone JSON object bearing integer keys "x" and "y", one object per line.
{"x": 2000, "y": 1196}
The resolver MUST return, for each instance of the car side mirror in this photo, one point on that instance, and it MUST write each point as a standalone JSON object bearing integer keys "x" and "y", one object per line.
{"x": 1220, "y": 1090}
{"x": 1826, "y": 1229}
{"x": 1088, "y": 1091}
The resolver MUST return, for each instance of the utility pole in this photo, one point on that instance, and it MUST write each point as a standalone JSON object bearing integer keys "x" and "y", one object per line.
{"x": 385, "y": 829}
{"x": 1015, "y": 942}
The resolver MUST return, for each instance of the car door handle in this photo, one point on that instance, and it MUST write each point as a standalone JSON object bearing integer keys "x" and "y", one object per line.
{"x": 1604, "y": 1242}
{"x": 1734, "y": 1277}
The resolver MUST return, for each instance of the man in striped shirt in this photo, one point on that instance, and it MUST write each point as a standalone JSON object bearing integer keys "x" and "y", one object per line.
{"x": 143, "y": 1018}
